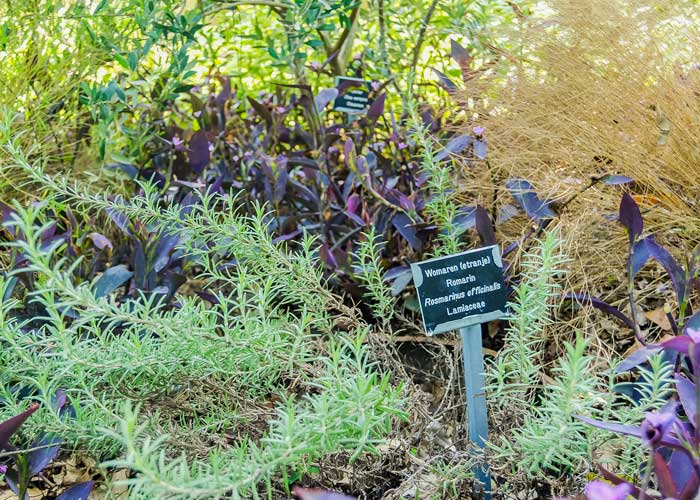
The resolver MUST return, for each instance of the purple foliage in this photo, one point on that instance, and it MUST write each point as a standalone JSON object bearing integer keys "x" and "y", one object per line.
{"x": 376, "y": 109}
{"x": 484, "y": 226}
{"x": 318, "y": 172}
{"x": 26, "y": 465}
{"x": 79, "y": 491}
{"x": 101, "y": 241}
{"x": 445, "y": 82}
{"x": 456, "y": 145}
{"x": 524, "y": 195}
{"x": 599, "y": 490}
{"x": 480, "y": 148}
{"x": 601, "y": 305}
{"x": 657, "y": 426}
{"x": 199, "y": 154}
{"x": 111, "y": 279}
{"x": 631, "y": 217}
{"x": 324, "y": 97}
{"x": 677, "y": 274}
{"x": 641, "y": 251}
{"x": 12, "y": 425}
{"x": 46, "y": 450}
{"x": 670, "y": 434}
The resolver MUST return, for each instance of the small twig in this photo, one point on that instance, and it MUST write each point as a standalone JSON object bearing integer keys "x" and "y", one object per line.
{"x": 562, "y": 206}
{"x": 647, "y": 476}
{"x": 495, "y": 182}
{"x": 5, "y": 454}
{"x": 263, "y": 3}
{"x": 671, "y": 319}
{"x": 421, "y": 34}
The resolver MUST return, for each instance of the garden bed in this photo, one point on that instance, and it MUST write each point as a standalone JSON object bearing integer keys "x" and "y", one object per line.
{"x": 206, "y": 278}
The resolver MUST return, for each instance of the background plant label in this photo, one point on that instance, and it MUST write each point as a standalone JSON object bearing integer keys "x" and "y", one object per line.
{"x": 353, "y": 95}
{"x": 460, "y": 290}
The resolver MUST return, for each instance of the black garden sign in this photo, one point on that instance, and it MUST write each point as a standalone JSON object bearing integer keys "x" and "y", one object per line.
{"x": 353, "y": 95}
{"x": 460, "y": 290}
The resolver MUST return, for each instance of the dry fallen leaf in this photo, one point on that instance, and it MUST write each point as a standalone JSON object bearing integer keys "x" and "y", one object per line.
{"x": 659, "y": 318}
{"x": 632, "y": 349}
{"x": 34, "y": 494}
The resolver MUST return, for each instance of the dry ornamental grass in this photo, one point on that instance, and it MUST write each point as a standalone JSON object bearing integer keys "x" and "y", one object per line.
{"x": 594, "y": 87}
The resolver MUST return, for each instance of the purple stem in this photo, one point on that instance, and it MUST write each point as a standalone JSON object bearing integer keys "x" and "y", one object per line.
{"x": 647, "y": 476}
{"x": 672, "y": 321}
{"x": 630, "y": 290}
{"x": 696, "y": 424}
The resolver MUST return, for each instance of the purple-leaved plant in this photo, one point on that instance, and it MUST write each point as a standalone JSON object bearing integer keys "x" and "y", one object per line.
{"x": 685, "y": 276}
{"x": 600, "y": 490}
{"x": 670, "y": 435}
{"x": 318, "y": 494}
{"x": 23, "y": 465}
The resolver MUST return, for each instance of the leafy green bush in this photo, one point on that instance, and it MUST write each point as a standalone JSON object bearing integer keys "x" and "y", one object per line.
{"x": 197, "y": 372}
{"x": 544, "y": 436}
{"x": 517, "y": 369}
{"x": 539, "y": 435}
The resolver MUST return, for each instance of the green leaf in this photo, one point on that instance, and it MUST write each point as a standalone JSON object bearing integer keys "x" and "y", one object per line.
{"x": 315, "y": 43}
{"x": 122, "y": 61}
{"x": 133, "y": 60}
{"x": 111, "y": 279}
{"x": 100, "y": 7}
{"x": 103, "y": 147}
{"x": 120, "y": 158}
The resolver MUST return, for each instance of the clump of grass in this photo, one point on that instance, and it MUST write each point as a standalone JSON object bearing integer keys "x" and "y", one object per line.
{"x": 588, "y": 88}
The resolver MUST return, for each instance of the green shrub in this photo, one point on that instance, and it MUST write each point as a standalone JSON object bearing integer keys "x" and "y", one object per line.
{"x": 197, "y": 373}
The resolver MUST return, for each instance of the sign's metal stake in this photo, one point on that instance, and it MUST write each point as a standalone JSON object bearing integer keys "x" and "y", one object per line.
{"x": 476, "y": 398}
{"x": 463, "y": 291}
